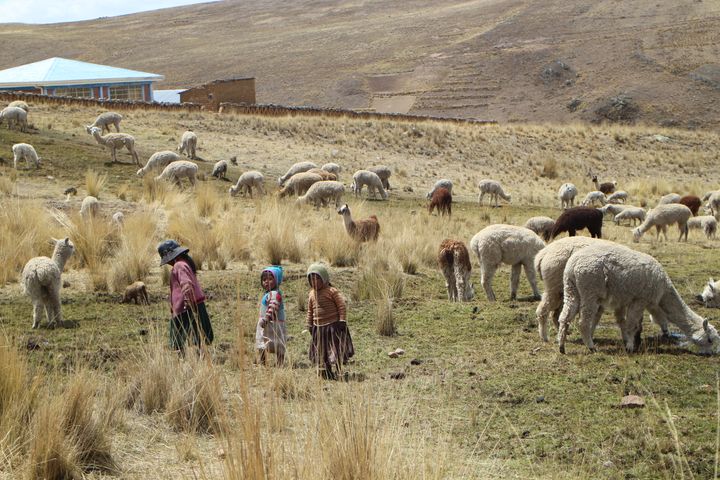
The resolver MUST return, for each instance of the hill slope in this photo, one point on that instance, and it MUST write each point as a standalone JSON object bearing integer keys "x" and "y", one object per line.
{"x": 509, "y": 60}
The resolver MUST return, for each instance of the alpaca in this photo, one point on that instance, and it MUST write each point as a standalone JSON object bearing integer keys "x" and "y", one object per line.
{"x": 89, "y": 208}
{"x": 692, "y": 202}
{"x": 710, "y": 297}
{"x": 630, "y": 282}
{"x": 114, "y": 141}
{"x": 188, "y": 144}
{"x": 220, "y": 169}
{"x": 509, "y": 244}
{"x": 662, "y": 216}
{"x": 157, "y": 161}
{"x": 360, "y": 230}
{"x": 321, "y": 193}
{"x": 442, "y": 200}
{"x": 619, "y": 196}
{"x": 606, "y": 187}
{"x": 41, "y": 280}
{"x": 105, "y": 119}
{"x": 454, "y": 261}
{"x": 669, "y": 198}
{"x": 631, "y": 213}
{"x": 136, "y": 292}
{"x": 494, "y": 189}
{"x": 246, "y": 182}
{"x": 442, "y": 183}
{"x": 176, "y": 171}
{"x": 299, "y": 183}
{"x": 577, "y": 218}
{"x": 295, "y": 169}
{"x": 542, "y": 226}
{"x": 373, "y": 181}
{"x": 707, "y": 223}
{"x": 592, "y": 197}
{"x": 566, "y": 194}
{"x": 25, "y": 151}
{"x": 384, "y": 173}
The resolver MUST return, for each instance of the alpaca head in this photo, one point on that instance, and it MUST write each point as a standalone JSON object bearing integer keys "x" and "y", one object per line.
{"x": 708, "y": 339}
{"x": 707, "y": 297}
{"x": 63, "y": 248}
{"x": 344, "y": 209}
{"x": 93, "y": 130}
{"x": 636, "y": 235}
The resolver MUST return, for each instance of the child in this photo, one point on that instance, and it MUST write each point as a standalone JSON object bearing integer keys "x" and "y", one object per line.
{"x": 331, "y": 344}
{"x": 270, "y": 334}
{"x": 187, "y": 300}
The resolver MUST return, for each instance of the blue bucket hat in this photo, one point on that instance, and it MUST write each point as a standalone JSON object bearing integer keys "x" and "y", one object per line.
{"x": 169, "y": 250}
{"x": 276, "y": 271}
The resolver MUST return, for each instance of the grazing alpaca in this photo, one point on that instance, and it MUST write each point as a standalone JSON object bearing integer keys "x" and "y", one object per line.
{"x": 41, "y": 280}
{"x": 494, "y": 189}
{"x": 136, "y": 292}
{"x": 442, "y": 200}
{"x": 606, "y": 187}
{"x": 692, "y": 202}
{"x": 577, "y": 218}
{"x": 114, "y": 141}
{"x": 364, "y": 230}
{"x": 454, "y": 261}
{"x": 542, "y": 226}
{"x": 662, "y": 216}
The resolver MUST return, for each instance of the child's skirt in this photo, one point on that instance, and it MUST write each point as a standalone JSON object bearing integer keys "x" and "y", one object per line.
{"x": 272, "y": 338}
{"x": 331, "y": 345}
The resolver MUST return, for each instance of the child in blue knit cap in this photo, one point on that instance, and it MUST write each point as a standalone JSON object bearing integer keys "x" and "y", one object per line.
{"x": 270, "y": 334}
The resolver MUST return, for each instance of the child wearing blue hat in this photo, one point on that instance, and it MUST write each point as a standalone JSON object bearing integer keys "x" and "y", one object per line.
{"x": 271, "y": 334}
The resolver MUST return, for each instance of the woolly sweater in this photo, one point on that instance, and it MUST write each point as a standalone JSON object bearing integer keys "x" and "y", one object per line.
{"x": 325, "y": 306}
{"x": 182, "y": 278}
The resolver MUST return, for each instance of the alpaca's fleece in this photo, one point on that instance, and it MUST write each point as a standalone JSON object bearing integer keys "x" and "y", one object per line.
{"x": 220, "y": 169}
{"x": 247, "y": 181}
{"x": 188, "y": 144}
{"x": 618, "y": 197}
{"x": 566, "y": 194}
{"x": 707, "y": 223}
{"x": 443, "y": 183}
{"x": 324, "y": 174}
{"x": 136, "y": 292}
{"x": 669, "y": 198}
{"x": 454, "y": 262}
{"x": 613, "y": 209}
{"x": 662, "y": 216}
{"x": 713, "y": 203}
{"x": 158, "y": 160}
{"x": 628, "y": 282}
{"x": 509, "y": 244}
{"x": 295, "y": 169}
{"x": 442, "y": 200}
{"x": 105, "y": 119}
{"x": 630, "y": 213}
{"x": 364, "y": 230}
{"x": 384, "y": 172}
{"x": 577, "y": 218}
{"x": 27, "y": 152}
{"x": 332, "y": 168}
{"x": 542, "y": 226}
{"x": 692, "y": 202}
{"x": 592, "y": 197}
{"x": 549, "y": 265}
{"x": 494, "y": 189}
{"x": 372, "y": 180}
{"x": 115, "y": 141}
{"x": 19, "y": 104}
{"x": 710, "y": 297}
{"x": 299, "y": 184}
{"x": 321, "y": 193}
{"x": 14, "y": 115}
{"x": 90, "y": 207}
{"x": 176, "y": 171}
{"x": 41, "y": 280}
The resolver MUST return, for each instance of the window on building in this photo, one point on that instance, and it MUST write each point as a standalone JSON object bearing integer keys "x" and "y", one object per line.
{"x": 126, "y": 92}
{"x": 77, "y": 92}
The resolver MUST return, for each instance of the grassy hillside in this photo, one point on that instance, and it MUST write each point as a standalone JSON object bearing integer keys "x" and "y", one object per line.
{"x": 507, "y": 60}
{"x": 476, "y": 395}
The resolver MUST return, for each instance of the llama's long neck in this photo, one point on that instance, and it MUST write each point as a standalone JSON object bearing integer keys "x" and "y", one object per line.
{"x": 679, "y": 314}
{"x": 349, "y": 224}
{"x": 596, "y": 182}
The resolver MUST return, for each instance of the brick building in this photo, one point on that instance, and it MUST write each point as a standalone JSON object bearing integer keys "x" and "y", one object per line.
{"x": 233, "y": 90}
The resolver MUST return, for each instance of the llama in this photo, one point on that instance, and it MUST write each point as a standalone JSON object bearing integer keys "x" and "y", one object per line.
{"x": 577, "y": 218}
{"x": 509, "y": 244}
{"x": 454, "y": 261}
{"x": 630, "y": 282}
{"x": 442, "y": 200}
{"x": 494, "y": 189}
{"x": 115, "y": 141}
{"x": 41, "y": 280}
{"x": 360, "y": 230}
{"x": 606, "y": 187}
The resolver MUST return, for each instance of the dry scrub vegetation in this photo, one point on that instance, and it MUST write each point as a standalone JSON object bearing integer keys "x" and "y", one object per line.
{"x": 476, "y": 395}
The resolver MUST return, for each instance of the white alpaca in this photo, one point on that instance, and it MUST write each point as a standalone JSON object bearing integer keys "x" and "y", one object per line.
{"x": 592, "y": 197}
{"x": 618, "y": 197}
{"x": 707, "y": 223}
{"x": 188, "y": 144}
{"x": 662, "y": 216}
{"x": 246, "y": 182}
{"x": 89, "y": 208}
{"x": 442, "y": 183}
{"x": 509, "y": 244}
{"x": 566, "y": 194}
{"x": 710, "y": 297}
{"x": 41, "y": 280}
{"x": 629, "y": 282}
{"x": 158, "y": 160}
{"x": 14, "y": 115}
{"x": 373, "y": 182}
{"x": 105, "y": 119}
{"x": 321, "y": 193}
{"x": 454, "y": 261}
{"x": 669, "y": 198}
{"x": 19, "y": 104}
{"x": 542, "y": 226}
{"x": 549, "y": 265}
{"x": 220, "y": 169}
{"x": 713, "y": 203}
{"x": 115, "y": 141}
{"x": 299, "y": 184}
{"x": 118, "y": 219}
{"x": 613, "y": 209}
{"x": 384, "y": 173}
{"x": 494, "y": 189}
{"x": 631, "y": 213}
{"x": 332, "y": 168}
{"x": 176, "y": 171}
{"x": 295, "y": 169}
{"x": 27, "y": 152}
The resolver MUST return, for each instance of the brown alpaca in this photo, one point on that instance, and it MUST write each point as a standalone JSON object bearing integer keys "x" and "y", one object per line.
{"x": 325, "y": 175}
{"x": 136, "y": 292}
{"x": 692, "y": 202}
{"x": 454, "y": 261}
{"x": 605, "y": 187}
{"x": 364, "y": 230}
{"x": 442, "y": 200}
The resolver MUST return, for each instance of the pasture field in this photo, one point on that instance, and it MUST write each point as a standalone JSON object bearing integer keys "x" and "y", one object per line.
{"x": 476, "y": 395}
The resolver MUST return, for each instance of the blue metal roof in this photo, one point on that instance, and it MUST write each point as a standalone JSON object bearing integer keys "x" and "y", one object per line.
{"x": 61, "y": 71}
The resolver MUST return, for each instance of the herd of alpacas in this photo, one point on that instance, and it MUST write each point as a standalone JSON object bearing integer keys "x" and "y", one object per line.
{"x": 582, "y": 275}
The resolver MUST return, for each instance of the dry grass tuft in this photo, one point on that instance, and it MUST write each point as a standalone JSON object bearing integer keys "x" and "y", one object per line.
{"x": 332, "y": 243}
{"x": 378, "y": 276}
{"x": 278, "y": 232}
{"x": 384, "y": 319}
{"x": 94, "y": 182}
{"x": 196, "y": 399}
{"x": 135, "y": 255}
{"x": 7, "y": 185}
{"x": 200, "y": 235}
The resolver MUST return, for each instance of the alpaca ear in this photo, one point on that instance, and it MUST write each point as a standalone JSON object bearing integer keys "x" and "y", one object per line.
{"x": 705, "y": 324}
{"x": 67, "y": 240}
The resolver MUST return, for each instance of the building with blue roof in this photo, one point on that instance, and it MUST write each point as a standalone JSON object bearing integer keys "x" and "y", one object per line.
{"x": 71, "y": 78}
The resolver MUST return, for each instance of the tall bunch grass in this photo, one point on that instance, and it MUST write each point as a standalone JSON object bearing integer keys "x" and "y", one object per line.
{"x": 196, "y": 397}
{"x": 233, "y": 231}
{"x": 378, "y": 275}
{"x": 200, "y": 235}
{"x": 94, "y": 182}
{"x": 332, "y": 243}
{"x": 135, "y": 254}
{"x": 278, "y": 232}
